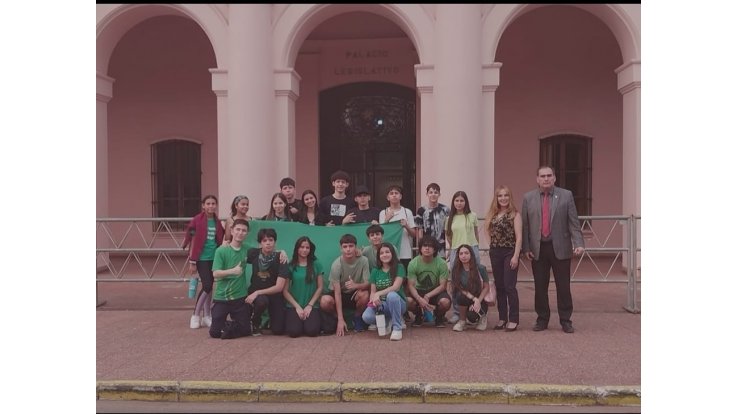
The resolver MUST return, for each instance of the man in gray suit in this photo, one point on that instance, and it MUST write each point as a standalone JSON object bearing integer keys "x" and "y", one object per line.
{"x": 551, "y": 234}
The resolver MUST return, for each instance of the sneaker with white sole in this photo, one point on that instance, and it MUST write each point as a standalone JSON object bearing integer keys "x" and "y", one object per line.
{"x": 396, "y": 335}
{"x": 372, "y": 327}
{"x": 207, "y": 321}
{"x": 482, "y": 323}
{"x": 454, "y": 318}
{"x": 195, "y": 322}
{"x": 459, "y": 326}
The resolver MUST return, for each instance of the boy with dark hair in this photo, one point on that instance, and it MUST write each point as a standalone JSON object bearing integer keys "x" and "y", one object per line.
{"x": 363, "y": 212}
{"x": 427, "y": 275}
{"x": 396, "y": 212}
{"x": 375, "y": 236}
{"x": 334, "y": 207}
{"x": 431, "y": 217}
{"x": 267, "y": 282}
{"x": 229, "y": 272}
{"x": 349, "y": 283}
{"x": 288, "y": 189}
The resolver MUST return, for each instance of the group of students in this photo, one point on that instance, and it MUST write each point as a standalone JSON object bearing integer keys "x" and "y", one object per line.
{"x": 378, "y": 278}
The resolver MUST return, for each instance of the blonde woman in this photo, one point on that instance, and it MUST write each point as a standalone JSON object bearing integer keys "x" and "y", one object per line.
{"x": 503, "y": 227}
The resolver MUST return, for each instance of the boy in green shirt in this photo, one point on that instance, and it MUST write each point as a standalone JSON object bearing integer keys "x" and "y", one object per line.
{"x": 427, "y": 275}
{"x": 229, "y": 272}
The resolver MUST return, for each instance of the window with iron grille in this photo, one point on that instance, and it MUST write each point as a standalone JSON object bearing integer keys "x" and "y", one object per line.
{"x": 176, "y": 177}
{"x": 572, "y": 158}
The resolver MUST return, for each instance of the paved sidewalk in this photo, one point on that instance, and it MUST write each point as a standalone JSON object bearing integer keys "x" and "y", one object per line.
{"x": 158, "y": 345}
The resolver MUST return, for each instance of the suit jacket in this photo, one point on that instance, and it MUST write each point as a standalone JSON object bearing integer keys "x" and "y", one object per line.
{"x": 564, "y": 223}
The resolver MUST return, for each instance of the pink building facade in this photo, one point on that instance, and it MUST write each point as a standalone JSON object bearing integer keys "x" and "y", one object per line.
{"x": 228, "y": 99}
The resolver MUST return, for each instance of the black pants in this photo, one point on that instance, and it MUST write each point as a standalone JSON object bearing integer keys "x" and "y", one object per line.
{"x": 204, "y": 269}
{"x": 504, "y": 277}
{"x": 296, "y": 327}
{"x": 276, "y": 306}
{"x": 464, "y": 301}
{"x": 561, "y": 268}
{"x": 239, "y": 312}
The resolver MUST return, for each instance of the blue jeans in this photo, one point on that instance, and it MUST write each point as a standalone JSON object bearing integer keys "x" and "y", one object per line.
{"x": 393, "y": 307}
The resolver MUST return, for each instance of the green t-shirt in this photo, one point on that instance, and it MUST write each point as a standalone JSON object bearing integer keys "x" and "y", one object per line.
{"x": 232, "y": 286}
{"x": 210, "y": 244}
{"x": 382, "y": 280}
{"x": 427, "y": 276}
{"x": 298, "y": 286}
{"x": 463, "y": 230}
{"x": 341, "y": 271}
{"x": 370, "y": 253}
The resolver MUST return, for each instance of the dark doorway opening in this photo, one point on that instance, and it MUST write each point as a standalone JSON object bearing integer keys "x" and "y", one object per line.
{"x": 368, "y": 129}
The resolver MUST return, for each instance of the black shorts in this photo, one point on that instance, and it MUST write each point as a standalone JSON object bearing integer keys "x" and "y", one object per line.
{"x": 436, "y": 298}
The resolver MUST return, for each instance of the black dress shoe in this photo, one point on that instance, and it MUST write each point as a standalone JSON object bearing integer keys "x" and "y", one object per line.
{"x": 500, "y": 325}
{"x": 567, "y": 327}
{"x": 539, "y": 327}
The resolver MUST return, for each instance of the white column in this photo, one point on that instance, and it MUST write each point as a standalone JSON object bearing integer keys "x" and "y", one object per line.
{"x": 457, "y": 91}
{"x": 429, "y": 157}
{"x": 224, "y": 186}
{"x": 629, "y": 85}
{"x": 104, "y": 94}
{"x": 247, "y": 161}
{"x": 491, "y": 76}
{"x": 287, "y": 92}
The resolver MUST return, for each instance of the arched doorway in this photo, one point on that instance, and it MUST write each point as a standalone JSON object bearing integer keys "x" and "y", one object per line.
{"x": 368, "y": 129}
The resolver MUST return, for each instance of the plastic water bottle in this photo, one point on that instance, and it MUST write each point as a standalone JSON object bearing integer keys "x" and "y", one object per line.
{"x": 428, "y": 315}
{"x": 193, "y": 282}
{"x": 381, "y": 323}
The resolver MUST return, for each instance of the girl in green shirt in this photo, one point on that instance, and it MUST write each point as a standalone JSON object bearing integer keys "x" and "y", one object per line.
{"x": 387, "y": 292}
{"x": 303, "y": 290}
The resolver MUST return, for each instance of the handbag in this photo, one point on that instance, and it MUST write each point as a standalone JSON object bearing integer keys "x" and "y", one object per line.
{"x": 490, "y": 297}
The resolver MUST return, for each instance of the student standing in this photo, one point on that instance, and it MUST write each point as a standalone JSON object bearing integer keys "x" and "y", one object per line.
{"x": 431, "y": 217}
{"x": 309, "y": 214}
{"x": 238, "y": 210}
{"x": 334, "y": 207}
{"x": 363, "y": 212}
{"x": 288, "y": 189}
{"x": 396, "y": 212}
{"x": 205, "y": 233}
{"x": 278, "y": 210}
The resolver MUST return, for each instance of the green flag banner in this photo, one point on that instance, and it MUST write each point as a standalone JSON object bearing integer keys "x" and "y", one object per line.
{"x": 325, "y": 238}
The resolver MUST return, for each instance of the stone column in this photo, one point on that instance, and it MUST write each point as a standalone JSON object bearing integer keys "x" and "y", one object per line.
{"x": 287, "y": 92}
{"x": 428, "y": 156}
{"x": 457, "y": 91}
{"x": 491, "y": 77}
{"x": 246, "y": 161}
{"x": 104, "y": 94}
{"x": 219, "y": 87}
{"x": 629, "y": 85}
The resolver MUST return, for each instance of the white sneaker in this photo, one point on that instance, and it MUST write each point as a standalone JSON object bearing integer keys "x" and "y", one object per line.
{"x": 459, "y": 326}
{"x": 207, "y": 321}
{"x": 195, "y": 322}
{"x": 403, "y": 325}
{"x": 454, "y": 318}
{"x": 396, "y": 335}
{"x": 372, "y": 327}
{"x": 482, "y": 323}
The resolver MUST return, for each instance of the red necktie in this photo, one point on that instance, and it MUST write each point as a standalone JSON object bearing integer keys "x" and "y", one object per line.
{"x": 545, "y": 216}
